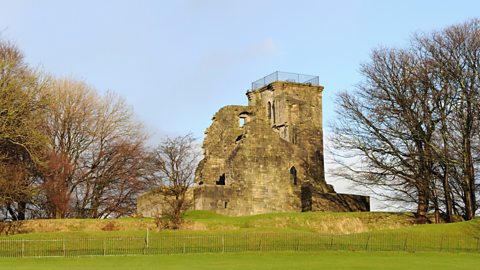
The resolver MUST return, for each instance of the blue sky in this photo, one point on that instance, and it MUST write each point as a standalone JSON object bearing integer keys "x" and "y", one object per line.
{"x": 178, "y": 62}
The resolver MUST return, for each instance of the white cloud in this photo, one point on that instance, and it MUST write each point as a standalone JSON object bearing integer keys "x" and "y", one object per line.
{"x": 221, "y": 60}
{"x": 265, "y": 47}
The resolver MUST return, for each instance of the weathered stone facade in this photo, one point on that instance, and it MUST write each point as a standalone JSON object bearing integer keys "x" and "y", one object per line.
{"x": 268, "y": 156}
{"x": 154, "y": 203}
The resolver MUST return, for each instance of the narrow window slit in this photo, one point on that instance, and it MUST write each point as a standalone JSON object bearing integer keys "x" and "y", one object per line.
{"x": 221, "y": 180}
{"x": 293, "y": 175}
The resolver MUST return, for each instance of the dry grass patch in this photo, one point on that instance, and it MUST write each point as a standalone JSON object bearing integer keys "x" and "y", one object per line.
{"x": 337, "y": 223}
{"x": 86, "y": 225}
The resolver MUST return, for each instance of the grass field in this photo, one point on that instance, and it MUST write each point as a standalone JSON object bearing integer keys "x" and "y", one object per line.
{"x": 264, "y": 261}
{"x": 207, "y": 222}
{"x": 266, "y": 233}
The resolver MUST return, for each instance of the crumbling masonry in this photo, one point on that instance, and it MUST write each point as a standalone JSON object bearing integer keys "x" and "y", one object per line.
{"x": 268, "y": 156}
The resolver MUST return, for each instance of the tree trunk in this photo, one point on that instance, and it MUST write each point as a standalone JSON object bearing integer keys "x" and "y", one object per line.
{"x": 436, "y": 205}
{"x": 448, "y": 197}
{"x": 469, "y": 181}
{"x": 22, "y": 208}
{"x": 446, "y": 171}
{"x": 421, "y": 216}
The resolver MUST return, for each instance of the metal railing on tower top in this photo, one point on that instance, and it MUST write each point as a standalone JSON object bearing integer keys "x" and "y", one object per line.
{"x": 285, "y": 77}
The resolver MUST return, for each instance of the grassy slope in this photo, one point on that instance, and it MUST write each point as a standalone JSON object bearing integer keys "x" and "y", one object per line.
{"x": 312, "y": 222}
{"x": 272, "y": 260}
{"x": 202, "y": 222}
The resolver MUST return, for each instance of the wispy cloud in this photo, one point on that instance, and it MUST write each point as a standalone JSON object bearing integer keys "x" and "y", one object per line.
{"x": 221, "y": 59}
{"x": 265, "y": 47}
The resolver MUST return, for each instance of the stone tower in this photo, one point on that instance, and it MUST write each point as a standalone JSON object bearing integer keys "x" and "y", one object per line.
{"x": 268, "y": 156}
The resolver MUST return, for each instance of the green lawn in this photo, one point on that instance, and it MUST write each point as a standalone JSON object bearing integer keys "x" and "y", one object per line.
{"x": 268, "y": 233}
{"x": 264, "y": 261}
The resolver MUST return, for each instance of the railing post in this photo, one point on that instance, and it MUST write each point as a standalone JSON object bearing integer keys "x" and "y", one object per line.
{"x": 441, "y": 243}
{"x": 63, "y": 247}
{"x": 104, "y": 246}
{"x": 223, "y": 243}
{"x": 145, "y": 249}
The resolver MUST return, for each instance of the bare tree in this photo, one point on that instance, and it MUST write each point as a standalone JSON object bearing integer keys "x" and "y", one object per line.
{"x": 99, "y": 153}
{"x": 411, "y": 127}
{"x": 455, "y": 53}
{"x": 55, "y": 196}
{"x": 22, "y": 137}
{"x": 175, "y": 160}
{"x": 387, "y": 123}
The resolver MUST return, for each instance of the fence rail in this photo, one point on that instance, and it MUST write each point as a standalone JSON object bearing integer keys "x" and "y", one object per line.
{"x": 285, "y": 77}
{"x": 169, "y": 244}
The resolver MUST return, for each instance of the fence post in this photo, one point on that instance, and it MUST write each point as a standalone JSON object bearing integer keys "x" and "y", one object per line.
{"x": 104, "y": 246}
{"x": 441, "y": 243}
{"x": 145, "y": 249}
{"x": 223, "y": 243}
{"x": 63, "y": 247}
{"x": 23, "y": 248}
{"x": 405, "y": 243}
{"x": 147, "y": 237}
{"x": 184, "y": 246}
{"x": 368, "y": 240}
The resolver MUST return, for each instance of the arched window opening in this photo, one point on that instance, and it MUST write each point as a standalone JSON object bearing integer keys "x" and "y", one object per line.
{"x": 244, "y": 118}
{"x": 221, "y": 180}
{"x": 269, "y": 109}
{"x": 293, "y": 175}
{"x": 273, "y": 112}
{"x": 241, "y": 121}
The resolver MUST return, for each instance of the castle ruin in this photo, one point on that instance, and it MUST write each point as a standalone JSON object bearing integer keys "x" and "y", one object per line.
{"x": 268, "y": 156}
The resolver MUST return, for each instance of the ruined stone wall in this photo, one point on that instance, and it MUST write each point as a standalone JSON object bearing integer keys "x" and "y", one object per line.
{"x": 336, "y": 202}
{"x": 153, "y": 203}
{"x": 317, "y": 201}
{"x": 296, "y": 118}
{"x": 254, "y": 161}
{"x": 261, "y": 166}
{"x": 220, "y": 140}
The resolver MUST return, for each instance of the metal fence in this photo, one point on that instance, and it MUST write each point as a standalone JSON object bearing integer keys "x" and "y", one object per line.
{"x": 220, "y": 243}
{"x": 285, "y": 77}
